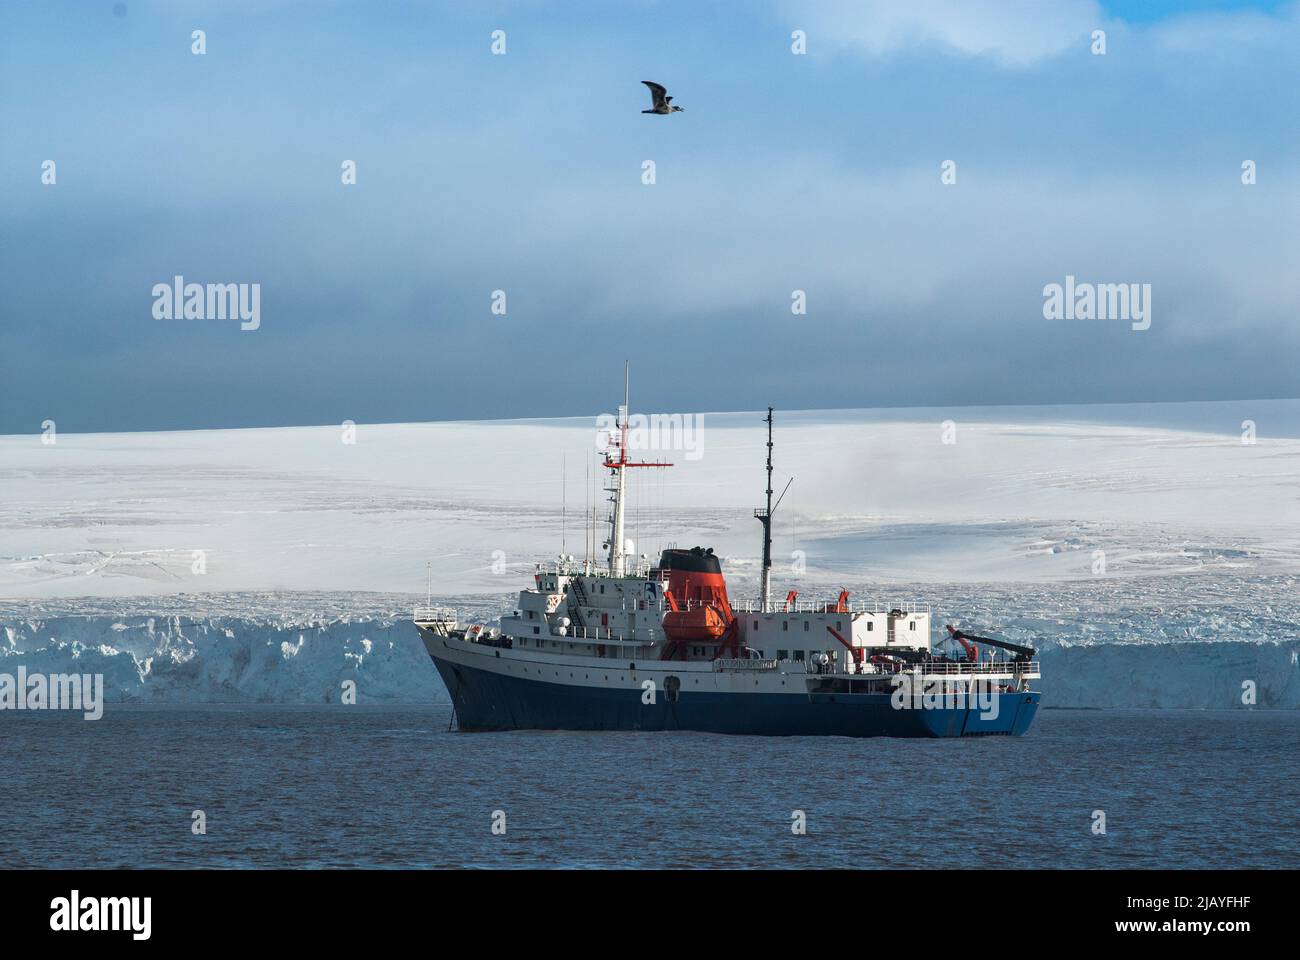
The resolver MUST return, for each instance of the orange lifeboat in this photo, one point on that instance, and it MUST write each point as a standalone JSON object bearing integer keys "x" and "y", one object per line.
{"x": 698, "y": 624}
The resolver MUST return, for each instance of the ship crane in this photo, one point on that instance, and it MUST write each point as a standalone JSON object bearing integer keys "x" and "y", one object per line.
{"x": 972, "y": 652}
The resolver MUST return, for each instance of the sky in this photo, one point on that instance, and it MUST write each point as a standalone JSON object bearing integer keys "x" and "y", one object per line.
{"x": 523, "y": 172}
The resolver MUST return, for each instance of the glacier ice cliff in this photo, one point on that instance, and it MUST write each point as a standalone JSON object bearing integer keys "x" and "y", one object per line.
{"x": 178, "y": 659}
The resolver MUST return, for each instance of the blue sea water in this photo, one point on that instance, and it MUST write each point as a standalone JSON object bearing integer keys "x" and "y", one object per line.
{"x": 365, "y": 786}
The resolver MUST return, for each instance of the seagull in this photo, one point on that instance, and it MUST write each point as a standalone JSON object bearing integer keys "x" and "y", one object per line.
{"x": 662, "y": 102}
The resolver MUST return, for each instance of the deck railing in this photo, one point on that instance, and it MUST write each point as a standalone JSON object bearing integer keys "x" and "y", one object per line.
{"x": 822, "y": 605}
{"x": 1015, "y": 667}
{"x": 603, "y": 634}
{"x": 632, "y": 567}
{"x": 433, "y": 614}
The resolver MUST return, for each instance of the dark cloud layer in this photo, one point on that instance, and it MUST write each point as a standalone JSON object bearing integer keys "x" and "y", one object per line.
{"x": 522, "y": 173}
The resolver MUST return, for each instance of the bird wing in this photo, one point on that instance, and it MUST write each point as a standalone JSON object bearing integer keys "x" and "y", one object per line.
{"x": 657, "y": 91}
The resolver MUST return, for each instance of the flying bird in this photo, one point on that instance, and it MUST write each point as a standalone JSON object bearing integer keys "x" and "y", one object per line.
{"x": 662, "y": 102}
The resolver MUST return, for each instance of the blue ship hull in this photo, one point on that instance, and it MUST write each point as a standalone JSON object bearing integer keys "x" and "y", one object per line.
{"x": 486, "y": 700}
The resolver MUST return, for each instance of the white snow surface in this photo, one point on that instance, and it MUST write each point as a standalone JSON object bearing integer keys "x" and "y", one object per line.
{"x": 311, "y": 551}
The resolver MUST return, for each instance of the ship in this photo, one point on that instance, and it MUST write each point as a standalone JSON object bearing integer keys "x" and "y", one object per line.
{"x": 621, "y": 642}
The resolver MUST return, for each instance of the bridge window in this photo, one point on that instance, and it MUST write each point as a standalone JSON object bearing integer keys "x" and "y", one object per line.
{"x": 782, "y": 654}
{"x": 536, "y": 630}
{"x": 798, "y": 654}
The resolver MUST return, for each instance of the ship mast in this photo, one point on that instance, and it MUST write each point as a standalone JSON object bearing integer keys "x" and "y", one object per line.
{"x": 618, "y": 487}
{"x": 764, "y": 516}
{"x": 617, "y": 543}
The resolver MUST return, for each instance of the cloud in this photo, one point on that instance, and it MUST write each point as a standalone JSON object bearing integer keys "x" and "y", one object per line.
{"x": 1013, "y": 33}
{"x": 1226, "y": 33}
{"x": 473, "y": 178}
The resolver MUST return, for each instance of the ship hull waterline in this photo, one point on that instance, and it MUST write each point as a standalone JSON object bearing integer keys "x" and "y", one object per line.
{"x": 487, "y": 700}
